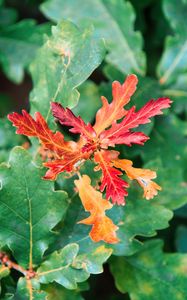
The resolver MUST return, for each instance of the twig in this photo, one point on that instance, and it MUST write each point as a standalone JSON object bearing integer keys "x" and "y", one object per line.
{"x": 5, "y": 260}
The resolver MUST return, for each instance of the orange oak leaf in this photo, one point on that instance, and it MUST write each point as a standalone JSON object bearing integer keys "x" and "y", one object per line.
{"x": 38, "y": 127}
{"x": 103, "y": 229}
{"x": 134, "y": 119}
{"x": 143, "y": 177}
{"x": 114, "y": 111}
{"x": 115, "y": 186}
{"x": 67, "y": 117}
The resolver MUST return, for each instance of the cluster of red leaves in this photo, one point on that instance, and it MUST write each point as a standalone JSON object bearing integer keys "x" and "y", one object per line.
{"x": 113, "y": 126}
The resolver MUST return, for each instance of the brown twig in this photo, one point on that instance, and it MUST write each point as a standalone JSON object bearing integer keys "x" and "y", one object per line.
{"x": 5, "y": 260}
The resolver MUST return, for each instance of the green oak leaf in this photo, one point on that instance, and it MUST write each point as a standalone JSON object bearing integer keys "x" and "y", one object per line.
{"x": 59, "y": 292}
{"x": 18, "y": 45}
{"x": 134, "y": 221}
{"x": 92, "y": 261}
{"x": 67, "y": 268}
{"x": 29, "y": 290}
{"x": 8, "y": 139}
{"x": 166, "y": 153}
{"x": 4, "y": 271}
{"x": 174, "y": 59}
{"x": 171, "y": 179}
{"x": 65, "y": 61}
{"x": 59, "y": 267}
{"x": 178, "y": 93}
{"x": 176, "y": 13}
{"x": 89, "y": 97}
{"x": 29, "y": 208}
{"x": 151, "y": 274}
{"x": 124, "y": 45}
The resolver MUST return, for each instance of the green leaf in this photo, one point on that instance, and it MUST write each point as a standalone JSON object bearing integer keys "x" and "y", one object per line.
{"x": 4, "y": 271}
{"x": 133, "y": 223}
{"x": 29, "y": 208}
{"x": 18, "y": 45}
{"x": 67, "y": 268}
{"x": 174, "y": 59}
{"x": 166, "y": 153}
{"x": 64, "y": 62}
{"x": 89, "y": 101}
{"x": 178, "y": 93}
{"x": 8, "y": 139}
{"x": 176, "y": 13}
{"x": 151, "y": 274}
{"x": 122, "y": 42}
{"x": 29, "y": 290}
{"x": 58, "y": 292}
{"x": 92, "y": 261}
{"x": 59, "y": 267}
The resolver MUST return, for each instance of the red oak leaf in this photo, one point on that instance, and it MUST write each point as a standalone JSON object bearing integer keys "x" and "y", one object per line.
{"x": 69, "y": 163}
{"x": 134, "y": 119}
{"x": 103, "y": 229}
{"x": 53, "y": 141}
{"x": 143, "y": 177}
{"x": 114, "y": 111}
{"x": 115, "y": 186}
{"x": 67, "y": 117}
{"x": 128, "y": 138}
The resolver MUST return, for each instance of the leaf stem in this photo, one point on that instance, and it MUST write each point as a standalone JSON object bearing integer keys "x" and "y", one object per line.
{"x": 5, "y": 260}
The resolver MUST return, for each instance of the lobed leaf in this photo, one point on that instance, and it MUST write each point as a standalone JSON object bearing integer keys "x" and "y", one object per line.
{"x": 174, "y": 58}
{"x": 29, "y": 289}
{"x": 68, "y": 164}
{"x": 29, "y": 208}
{"x": 151, "y": 273}
{"x": 124, "y": 45}
{"x": 38, "y": 128}
{"x": 143, "y": 177}
{"x": 66, "y": 117}
{"x": 134, "y": 119}
{"x": 59, "y": 268}
{"x": 102, "y": 227}
{"x": 115, "y": 186}
{"x": 25, "y": 37}
{"x": 167, "y": 155}
{"x": 109, "y": 113}
{"x": 64, "y": 62}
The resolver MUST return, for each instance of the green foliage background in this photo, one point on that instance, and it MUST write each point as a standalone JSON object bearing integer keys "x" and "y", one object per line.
{"x": 106, "y": 40}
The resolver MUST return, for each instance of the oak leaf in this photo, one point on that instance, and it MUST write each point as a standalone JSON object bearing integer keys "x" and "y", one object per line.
{"x": 115, "y": 186}
{"x": 114, "y": 111}
{"x": 67, "y": 117}
{"x": 38, "y": 127}
{"x": 103, "y": 229}
{"x": 133, "y": 119}
{"x": 142, "y": 176}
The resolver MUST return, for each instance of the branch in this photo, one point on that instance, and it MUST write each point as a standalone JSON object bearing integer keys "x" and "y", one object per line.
{"x": 5, "y": 260}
